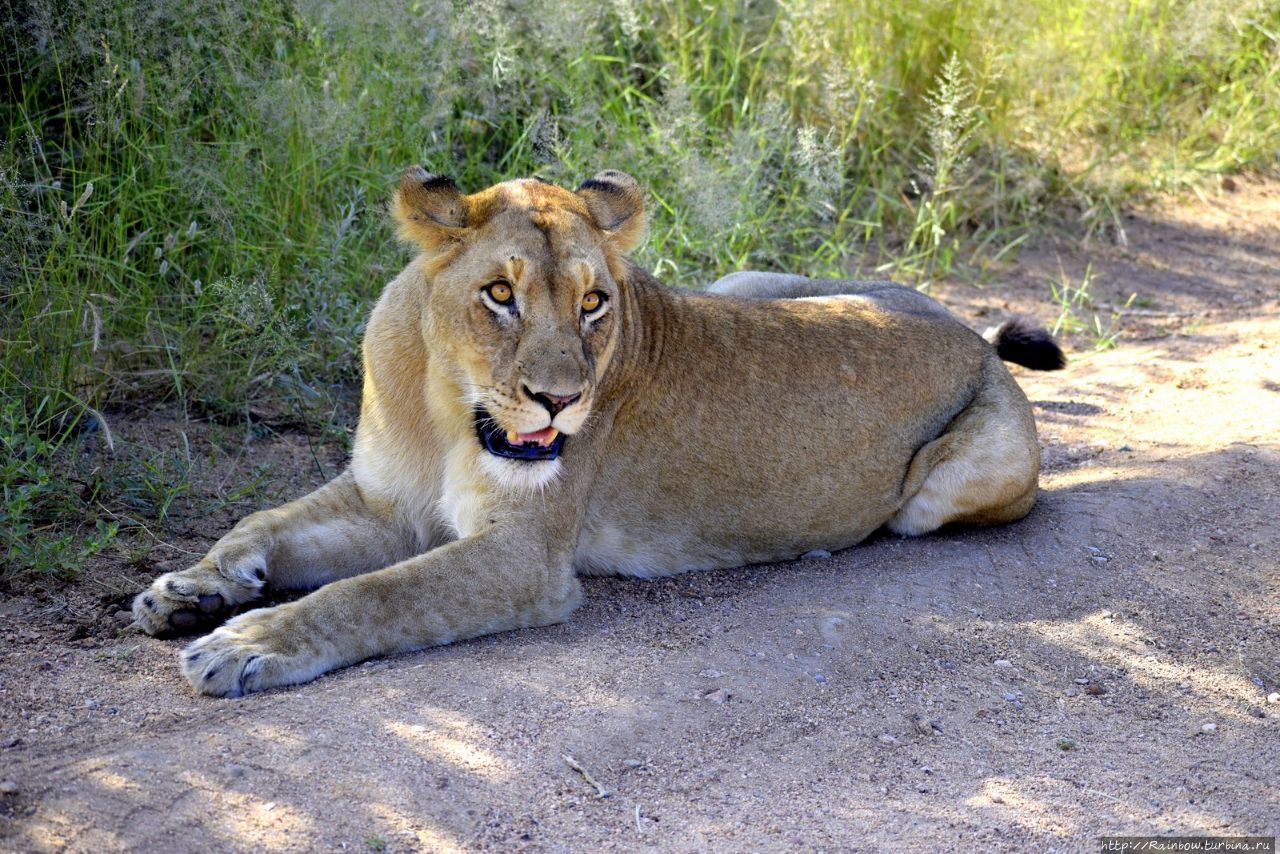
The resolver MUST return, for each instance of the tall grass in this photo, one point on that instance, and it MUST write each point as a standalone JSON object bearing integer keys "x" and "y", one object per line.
{"x": 240, "y": 154}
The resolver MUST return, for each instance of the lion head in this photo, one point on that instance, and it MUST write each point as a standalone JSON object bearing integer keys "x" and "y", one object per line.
{"x": 525, "y": 297}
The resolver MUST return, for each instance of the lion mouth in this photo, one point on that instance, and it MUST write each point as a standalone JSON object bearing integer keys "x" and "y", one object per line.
{"x": 544, "y": 444}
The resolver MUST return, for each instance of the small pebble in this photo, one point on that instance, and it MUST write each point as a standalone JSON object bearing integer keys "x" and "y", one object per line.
{"x": 720, "y": 696}
{"x": 1209, "y": 728}
{"x": 1257, "y": 712}
{"x": 923, "y": 725}
{"x": 1002, "y": 662}
{"x": 123, "y": 616}
{"x": 1011, "y": 697}
{"x": 816, "y": 553}
{"x": 997, "y": 799}
{"x": 1073, "y": 692}
{"x": 1081, "y": 681}
{"x": 8, "y": 787}
{"x": 1273, "y": 697}
{"x": 890, "y": 740}
{"x": 820, "y": 679}
{"x": 632, "y": 763}
{"x": 235, "y": 771}
{"x": 711, "y": 674}
{"x": 949, "y": 665}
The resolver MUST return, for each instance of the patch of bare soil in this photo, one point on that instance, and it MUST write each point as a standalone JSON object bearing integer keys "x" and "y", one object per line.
{"x": 1102, "y": 667}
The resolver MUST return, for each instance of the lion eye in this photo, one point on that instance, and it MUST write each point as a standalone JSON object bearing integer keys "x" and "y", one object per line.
{"x": 500, "y": 292}
{"x": 591, "y": 301}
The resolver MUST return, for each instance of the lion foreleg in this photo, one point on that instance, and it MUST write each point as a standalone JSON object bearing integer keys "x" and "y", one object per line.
{"x": 330, "y": 534}
{"x": 486, "y": 583}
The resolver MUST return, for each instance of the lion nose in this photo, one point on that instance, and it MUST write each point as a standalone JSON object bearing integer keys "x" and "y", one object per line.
{"x": 553, "y": 403}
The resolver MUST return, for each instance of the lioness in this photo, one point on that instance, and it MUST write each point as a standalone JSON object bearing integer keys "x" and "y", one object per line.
{"x": 536, "y": 406}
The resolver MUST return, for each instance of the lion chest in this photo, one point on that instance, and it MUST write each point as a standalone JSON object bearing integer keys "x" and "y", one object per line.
{"x": 466, "y": 499}
{"x": 477, "y": 488}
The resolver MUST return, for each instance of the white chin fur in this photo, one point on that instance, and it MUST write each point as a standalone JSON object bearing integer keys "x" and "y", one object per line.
{"x": 518, "y": 475}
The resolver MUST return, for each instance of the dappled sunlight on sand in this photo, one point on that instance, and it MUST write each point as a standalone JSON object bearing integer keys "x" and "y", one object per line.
{"x": 1037, "y": 804}
{"x": 110, "y": 780}
{"x": 430, "y": 836}
{"x": 453, "y": 739}
{"x": 56, "y": 828}
{"x": 243, "y": 819}
{"x": 1006, "y": 801}
{"x": 252, "y": 818}
{"x": 1125, "y": 645}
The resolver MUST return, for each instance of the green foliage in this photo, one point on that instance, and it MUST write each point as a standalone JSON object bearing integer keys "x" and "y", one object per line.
{"x": 1079, "y": 315}
{"x": 192, "y": 191}
{"x": 69, "y": 488}
{"x": 39, "y": 498}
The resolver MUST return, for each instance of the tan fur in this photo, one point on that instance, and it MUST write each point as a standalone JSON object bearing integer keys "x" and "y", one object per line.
{"x": 711, "y": 431}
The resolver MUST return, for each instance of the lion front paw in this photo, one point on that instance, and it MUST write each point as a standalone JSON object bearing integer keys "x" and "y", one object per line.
{"x": 253, "y": 652}
{"x": 191, "y": 599}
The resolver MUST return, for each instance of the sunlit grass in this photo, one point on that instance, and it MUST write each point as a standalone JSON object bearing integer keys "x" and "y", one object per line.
{"x": 1079, "y": 315}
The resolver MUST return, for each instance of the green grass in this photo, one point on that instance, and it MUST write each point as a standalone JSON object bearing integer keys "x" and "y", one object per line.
{"x": 1080, "y": 316}
{"x": 44, "y": 526}
{"x": 240, "y": 156}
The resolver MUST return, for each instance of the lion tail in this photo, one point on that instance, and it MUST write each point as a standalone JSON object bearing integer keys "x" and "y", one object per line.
{"x": 1027, "y": 343}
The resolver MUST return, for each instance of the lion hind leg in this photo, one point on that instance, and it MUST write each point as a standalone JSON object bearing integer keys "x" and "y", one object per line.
{"x": 982, "y": 471}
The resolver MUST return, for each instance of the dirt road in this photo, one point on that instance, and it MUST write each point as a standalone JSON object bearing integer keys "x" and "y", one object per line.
{"x": 1102, "y": 667}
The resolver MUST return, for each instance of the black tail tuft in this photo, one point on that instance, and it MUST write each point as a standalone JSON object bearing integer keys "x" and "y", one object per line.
{"x": 1027, "y": 343}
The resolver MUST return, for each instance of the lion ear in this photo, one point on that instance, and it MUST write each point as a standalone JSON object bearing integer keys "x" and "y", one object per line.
{"x": 616, "y": 204}
{"x": 430, "y": 209}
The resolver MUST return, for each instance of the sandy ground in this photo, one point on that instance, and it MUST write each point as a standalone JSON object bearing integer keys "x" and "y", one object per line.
{"x": 1102, "y": 667}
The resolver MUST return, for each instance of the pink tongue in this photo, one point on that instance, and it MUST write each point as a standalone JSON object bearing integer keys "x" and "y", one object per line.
{"x": 542, "y": 437}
